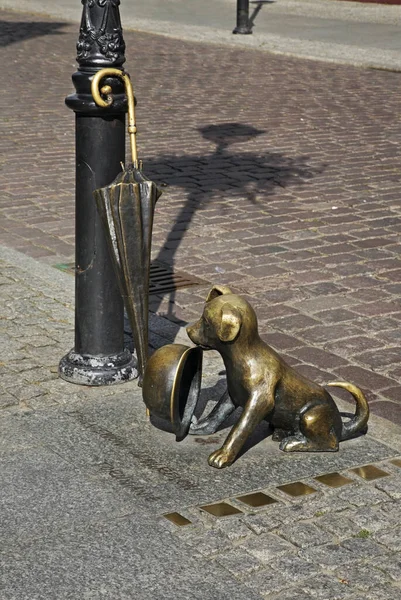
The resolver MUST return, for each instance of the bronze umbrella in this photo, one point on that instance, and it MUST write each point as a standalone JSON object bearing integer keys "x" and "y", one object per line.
{"x": 126, "y": 208}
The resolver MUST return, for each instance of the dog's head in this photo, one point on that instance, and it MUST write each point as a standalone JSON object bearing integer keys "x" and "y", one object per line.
{"x": 225, "y": 318}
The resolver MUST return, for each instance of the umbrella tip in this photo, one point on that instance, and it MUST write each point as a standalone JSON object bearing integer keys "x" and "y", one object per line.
{"x": 122, "y": 166}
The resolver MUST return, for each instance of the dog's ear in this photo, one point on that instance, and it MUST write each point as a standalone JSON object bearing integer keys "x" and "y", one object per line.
{"x": 230, "y": 324}
{"x": 217, "y": 290}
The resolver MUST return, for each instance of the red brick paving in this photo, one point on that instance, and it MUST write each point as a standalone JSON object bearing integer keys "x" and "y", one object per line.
{"x": 281, "y": 178}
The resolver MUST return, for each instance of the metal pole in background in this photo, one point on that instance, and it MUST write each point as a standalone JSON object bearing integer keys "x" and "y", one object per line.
{"x": 99, "y": 356}
{"x": 243, "y": 25}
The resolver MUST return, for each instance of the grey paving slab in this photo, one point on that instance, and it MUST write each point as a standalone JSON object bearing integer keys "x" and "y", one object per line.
{"x": 393, "y": 568}
{"x": 14, "y": 437}
{"x": 321, "y": 587}
{"x": 112, "y": 437}
{"x": 293, "y": 568}
{"x": 130, "y": 558}
{"x": 262, "y": 466}
{"x": 43, "y": 494}
{"x": 384, "y": 593}
{"x": 364, "y": 577}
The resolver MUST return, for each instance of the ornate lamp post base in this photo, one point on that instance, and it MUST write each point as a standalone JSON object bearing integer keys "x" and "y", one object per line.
{"x": 96, "y": 371}
{"x": 243, "y": 30}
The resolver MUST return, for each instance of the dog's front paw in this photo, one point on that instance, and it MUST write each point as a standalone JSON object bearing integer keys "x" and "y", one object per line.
{"x": 220, "y": 458}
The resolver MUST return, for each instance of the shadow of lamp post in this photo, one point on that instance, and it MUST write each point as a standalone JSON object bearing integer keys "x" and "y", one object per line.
{"x": 99, "y": 356}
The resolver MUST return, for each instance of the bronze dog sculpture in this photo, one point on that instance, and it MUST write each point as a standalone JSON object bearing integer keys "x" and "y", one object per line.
{"x": 303, "y": 414}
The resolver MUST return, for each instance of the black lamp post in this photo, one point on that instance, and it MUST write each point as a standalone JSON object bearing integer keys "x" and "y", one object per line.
{"x": 99, "y": 356}
{"x": 243, "y": 25}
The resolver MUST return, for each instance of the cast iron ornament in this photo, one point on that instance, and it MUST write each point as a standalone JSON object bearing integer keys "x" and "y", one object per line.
{"x": 101, "y": 40}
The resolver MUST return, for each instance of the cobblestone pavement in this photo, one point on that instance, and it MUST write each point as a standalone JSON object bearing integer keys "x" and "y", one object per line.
{"x": 87, "y": 480}
{"x": 281, "y": 178}
{"x": 343, "y": 544}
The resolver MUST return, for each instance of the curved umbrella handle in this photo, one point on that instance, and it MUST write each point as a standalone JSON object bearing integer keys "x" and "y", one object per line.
{"x": 106, "y": 90}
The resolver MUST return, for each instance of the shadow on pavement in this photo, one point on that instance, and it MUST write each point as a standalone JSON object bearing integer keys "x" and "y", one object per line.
{"x": 18, "y": 31}
{"x": 244, "y": 177}
{"x": 247, "y": 178}
{"x": 258, "y": 7}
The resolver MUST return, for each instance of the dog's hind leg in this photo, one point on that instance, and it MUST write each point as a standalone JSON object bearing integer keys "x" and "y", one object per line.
{"x": 316, "y": 433}
{"x": 223, "y": 409}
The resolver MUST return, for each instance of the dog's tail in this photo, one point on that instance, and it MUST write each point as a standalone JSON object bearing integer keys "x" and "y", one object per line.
{"x": 360, "y": 419}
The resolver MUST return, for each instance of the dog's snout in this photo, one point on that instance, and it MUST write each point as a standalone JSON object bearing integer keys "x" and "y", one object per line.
{"x": 192, "y": 331}
{"x": 196, "y": 334}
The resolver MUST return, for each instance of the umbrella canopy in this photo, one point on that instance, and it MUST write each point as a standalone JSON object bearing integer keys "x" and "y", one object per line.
{"x": 126, "y": 208}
